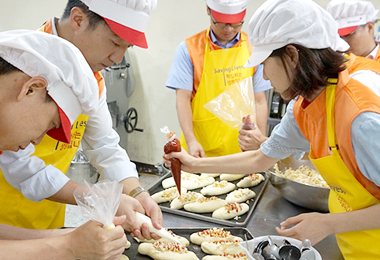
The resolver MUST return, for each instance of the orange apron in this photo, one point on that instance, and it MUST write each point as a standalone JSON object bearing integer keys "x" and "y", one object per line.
{"x": 221, "y": 68}
{"x": 346, "y": 194}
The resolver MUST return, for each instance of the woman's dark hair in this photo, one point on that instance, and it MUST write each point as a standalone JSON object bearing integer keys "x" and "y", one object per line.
{"x": 314, "y": 68}
{"x": 6, "y": 67}
{"x": 93, "y": 18}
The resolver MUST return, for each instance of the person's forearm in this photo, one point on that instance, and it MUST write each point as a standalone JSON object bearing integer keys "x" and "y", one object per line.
{"x": 247, "y": 162}
{"x": 364, "y": 219}
{"x": 15, "y": 233}
{"x": 65, "y": 195}
{"x": 41, "y": 249}
{"x": 261, "y": 112}
{"x": 129, "y": 184}
{"x": 185, "y": 114}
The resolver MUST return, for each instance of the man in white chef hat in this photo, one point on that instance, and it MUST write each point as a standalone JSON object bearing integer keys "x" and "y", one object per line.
{"x": 41, "y": 93}
{"x": 203, "y": 67}
{"x": 356, "y": 26}
{"x": 102, "y": 30}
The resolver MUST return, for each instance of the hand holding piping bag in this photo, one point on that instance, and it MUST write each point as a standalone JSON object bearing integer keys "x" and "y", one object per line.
{"x": 173, "y": 145}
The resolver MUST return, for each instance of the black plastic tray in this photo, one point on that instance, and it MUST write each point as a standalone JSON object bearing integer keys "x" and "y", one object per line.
{"x": 132, "y": 252}
{"x": 242, "y": 221}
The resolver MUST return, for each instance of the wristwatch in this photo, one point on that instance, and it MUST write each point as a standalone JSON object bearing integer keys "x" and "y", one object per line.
{"x": 136, "y": 191}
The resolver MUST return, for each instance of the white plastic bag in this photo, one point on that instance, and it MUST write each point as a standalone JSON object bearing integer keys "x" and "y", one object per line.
{"x": 99, "y": 201}
{"x": 236, "y": 102}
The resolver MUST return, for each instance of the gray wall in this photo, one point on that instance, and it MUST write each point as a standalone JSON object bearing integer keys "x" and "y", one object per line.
{"x": 172, "y": 22}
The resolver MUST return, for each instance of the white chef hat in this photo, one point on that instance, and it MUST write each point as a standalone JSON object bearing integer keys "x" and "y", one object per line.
{"x": 278, "y": 23}
{"x": 228, "y": 11}
{"x": 350, "y": 14}
{"x": 127, "y": 18}
{"x": 71, "y": 83}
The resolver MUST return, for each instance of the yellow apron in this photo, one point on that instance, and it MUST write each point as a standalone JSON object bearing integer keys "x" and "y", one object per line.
{"x": 16, "y": 210}
{"x": 221, "y": 68}
{"x": 346, "y": 194}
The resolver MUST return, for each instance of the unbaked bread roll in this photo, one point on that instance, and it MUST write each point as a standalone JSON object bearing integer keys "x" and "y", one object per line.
{"x": 185, "y": 198}
{"x": 214, "y": 175}
{"x": 251, "y": 180}
{"x": 189, "y": 181}
{"x": 240, "y": 195}
{"x": 124, "y": 257}
{"x": 166, "y": 251}
{"x": 230, "y": 211}
{"x": 213, "y": 234}
{"x": 205, "y": 205}
{"x": 128, "y": 245}
{"x": 221, "y": 246}
{"x": 226, "y": 256}
{"x": 167, "y": 194}
{"x": 231, "y": 177}
{"x": 218, "y": 188}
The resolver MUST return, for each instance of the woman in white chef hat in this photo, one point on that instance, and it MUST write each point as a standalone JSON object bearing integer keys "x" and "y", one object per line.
{"x": 356, "y": 26}
{"x": 43, "y": 93}
{"x": 332, "y": 115}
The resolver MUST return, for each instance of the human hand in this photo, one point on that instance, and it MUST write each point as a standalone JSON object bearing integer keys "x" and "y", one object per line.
{"x": 251, "y": 139}
{"x": 313, "y": 226}
{"x": 153, "y": 211}
{"x": 128, "y": 207}
{"x": 91, "y": 241}
{"x": 186, "y": 160}
{"x": 195, "y": 149}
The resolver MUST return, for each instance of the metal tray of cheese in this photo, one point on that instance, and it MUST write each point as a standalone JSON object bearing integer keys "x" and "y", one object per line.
{"x": 242, "y": 220}
{"x": 132, "y": 252}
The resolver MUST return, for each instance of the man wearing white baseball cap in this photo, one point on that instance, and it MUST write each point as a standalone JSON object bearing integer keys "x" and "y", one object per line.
{"x": 203, "y": 67}
{"x": 42, "y": 93}
{"x": 356, "y": 26}
{"x": 332, "y": 115}
{"x": 102, "y": 30}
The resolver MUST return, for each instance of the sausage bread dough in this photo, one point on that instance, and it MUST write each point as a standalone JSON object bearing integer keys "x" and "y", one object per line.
{"x": 205, "y": 205}
{"x": 214, "y": 234}
{"x": 220, "y": 247}
{"x": 189, "y": 181}
{"x": 251, "y": 180}
{"x": 128, "y": 245}
{"x": 230, "y": 210}
{"x": 231, "y": 177}
{"x": 166, "y": 251}
{"x": 214, "y": 175}
{"x": 124, "y": 257}
{"x": 218, "y": 188}
{"x": 185, "y": 198}
{"x": 167, "y": 194}
{"x": 226, "y": 256}
{"x": 240, "y": 195}
{"x": 183, "y": 240}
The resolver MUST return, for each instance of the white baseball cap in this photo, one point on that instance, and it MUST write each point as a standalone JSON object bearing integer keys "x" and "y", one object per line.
{"x": 278, "y": 23}
{"x": 71, "y": 82}
{"x": 228, "y": 11}
{"x": 127, "y": 18}
{"x": 350, "y": 14}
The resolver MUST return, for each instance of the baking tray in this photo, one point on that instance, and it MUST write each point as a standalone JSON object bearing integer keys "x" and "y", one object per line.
{"x": 132, "y": 252}
{"x": 241, "y": 222}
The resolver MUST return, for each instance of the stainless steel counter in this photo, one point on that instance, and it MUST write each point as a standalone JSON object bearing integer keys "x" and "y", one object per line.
{"x": 271, "y": 210}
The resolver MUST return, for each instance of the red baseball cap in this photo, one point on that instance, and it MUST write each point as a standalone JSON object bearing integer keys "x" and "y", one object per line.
{"x": 63, "y": 133}
{"x": 128, "y": 19}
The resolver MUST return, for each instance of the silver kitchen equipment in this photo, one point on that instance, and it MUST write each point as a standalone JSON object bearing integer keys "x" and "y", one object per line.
{"x": 81, "y": 170}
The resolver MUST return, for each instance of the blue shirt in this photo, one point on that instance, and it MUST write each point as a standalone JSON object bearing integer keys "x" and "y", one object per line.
{"x": 182, "y": 70}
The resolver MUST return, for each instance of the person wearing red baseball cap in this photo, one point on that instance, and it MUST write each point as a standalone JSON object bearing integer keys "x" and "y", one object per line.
{"x": 356, "y": 26}
{"x": 102, "y": 30}
{"x": 204, "y": 66}
{"x": 44, "y": 94}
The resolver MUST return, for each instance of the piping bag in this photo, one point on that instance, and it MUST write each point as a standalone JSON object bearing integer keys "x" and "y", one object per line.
{"x": 173, "y": 145}
{"x": 99, "y": 201}
{"x": 141, "y": 218}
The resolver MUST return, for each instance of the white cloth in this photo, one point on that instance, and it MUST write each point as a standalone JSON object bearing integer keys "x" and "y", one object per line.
{"x": 71, "y": 83}
{"x": 37, "y": 181}
{"x": 373, "y": 53}
{"x": 350, "y": 13}
{"x": 277, "y": 23}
